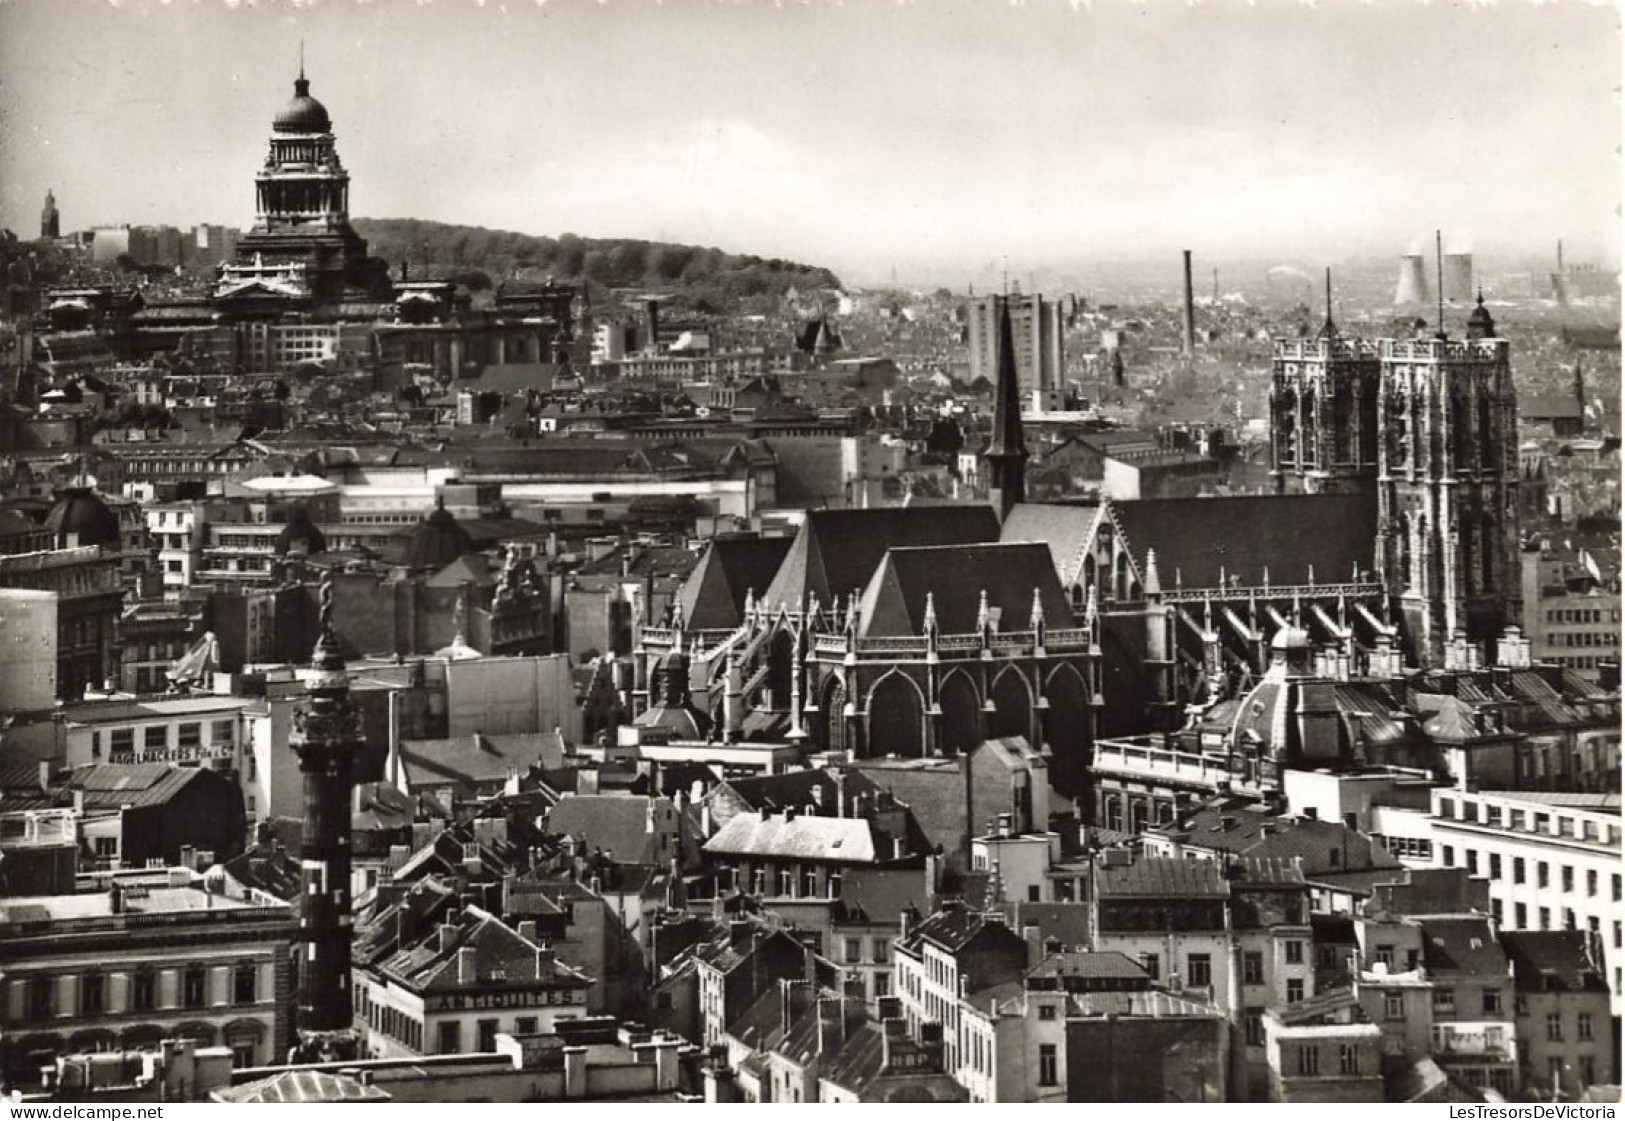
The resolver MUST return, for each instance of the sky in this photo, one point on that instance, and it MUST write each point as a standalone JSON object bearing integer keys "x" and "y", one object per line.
{"x": 867, "y": 136}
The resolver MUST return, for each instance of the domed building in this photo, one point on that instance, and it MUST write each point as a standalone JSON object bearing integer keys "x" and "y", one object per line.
{"x": 81, "y": 518}
{"x": 302, "y": 247}
{"x": 437, "y": 541}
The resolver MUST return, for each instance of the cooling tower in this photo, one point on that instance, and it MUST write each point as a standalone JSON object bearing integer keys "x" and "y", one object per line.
{"x": 1458, "y": 276}
{"x": 1413, "y": 280}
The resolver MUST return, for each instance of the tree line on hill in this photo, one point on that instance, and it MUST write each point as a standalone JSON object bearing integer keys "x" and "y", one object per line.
{"x": 482, "y": 258}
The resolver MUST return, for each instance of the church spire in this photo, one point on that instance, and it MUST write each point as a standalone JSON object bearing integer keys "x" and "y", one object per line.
{"x": 1007, "y": 451}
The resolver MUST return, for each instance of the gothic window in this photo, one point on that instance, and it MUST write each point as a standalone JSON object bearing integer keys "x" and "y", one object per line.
{"x": 1308, "y": 453}
{"x": 1486, "y": 553}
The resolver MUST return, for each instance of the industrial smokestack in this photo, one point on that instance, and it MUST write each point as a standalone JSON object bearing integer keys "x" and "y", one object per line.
{"x": 1190, "y": 310}
{"x": 1559, "y": 254}
{"x": 1458, "y": 277}
{"x": 1413, "y": 280}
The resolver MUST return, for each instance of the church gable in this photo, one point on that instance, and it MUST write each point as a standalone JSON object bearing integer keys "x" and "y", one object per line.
{"x": 956, "y": 578}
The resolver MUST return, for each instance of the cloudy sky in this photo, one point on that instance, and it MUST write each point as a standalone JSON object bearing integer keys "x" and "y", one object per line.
{"x": 864, "y": 135}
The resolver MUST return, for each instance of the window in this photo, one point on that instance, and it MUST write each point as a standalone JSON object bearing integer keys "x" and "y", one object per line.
{"x": 1153, "y": 964}
{"x": 1450, "y": 856}
{"x": 1582, "y": 1027}
{"x": 1308, "y": 1060}
{"x": 526, "y": 1025}
{"x": 1046, "y": 1011}
{"x": 92, "y": 993}
{"x": 1616, "y": 887}
{"x": 1294, "y": 990}
{"x": 42, "y": 997}
{"x": 487, "y": 1032}
{"x": 1252, "y": 968}
{"x": 193, "y": 984}
{"x": 1348, "y": 1058}
{"x": 1591, "y": 881}
{"x": 1393, "y": 1006}
{"x": 1492, "y": 1000}
{"x": 154, "y": 737}
{"x": 1048, "y": 1071}
{"x": 1385, "y": 954}
{"x": 1520, "y": 916}
{"x": 1568, "y": 878}
{"x": 854, "y": 949}
{"x": 1294, "y": 952}
{"x": 1472, "y": 861}
{"x": 1254, "y": 1019}
{"x": 1034, "y": 893}
{"x": 121, "y": 739}
{"x": 1495, "y": 866}
{"x": 449, "y": 1038}
{"x": 1554, "y": 1026}
{"x": 190, "y": 735}
{"x": 144, "y": 991}
{"x": 1588, "y": 1071}
{"x": 1542, "y": 874}
{"x": 1444, "y": 1001}
{"x": 223, "y": 733}
{"x": 1198, "y": 970}
{"x": 1545, "y": 918}
{"x": 1517, "y": 869}
{"x": 245, "y": 988}
{"x": 882, "y": 984}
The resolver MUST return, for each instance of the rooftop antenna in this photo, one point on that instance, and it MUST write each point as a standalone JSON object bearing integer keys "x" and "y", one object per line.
{"x": 301, "y": 58}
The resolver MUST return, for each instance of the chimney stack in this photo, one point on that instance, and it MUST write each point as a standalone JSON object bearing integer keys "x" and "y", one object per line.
{"x": 1190, "y": 310}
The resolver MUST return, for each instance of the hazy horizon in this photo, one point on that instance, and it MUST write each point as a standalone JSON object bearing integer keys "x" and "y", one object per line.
{"x": 936, "y": 139}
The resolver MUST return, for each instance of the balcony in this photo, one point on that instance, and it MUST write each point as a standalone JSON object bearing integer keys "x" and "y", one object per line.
{"x": 1478, "y": 1042}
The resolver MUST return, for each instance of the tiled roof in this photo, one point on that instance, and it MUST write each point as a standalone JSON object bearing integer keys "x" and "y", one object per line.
{"x": 845, "y": 840}
{"x": 1288, "y": 534}
{"x": 837, "y": 551}
{"x": 303, "y": 1086}
{"x": 1066, "y": 531}
{"x": 1163, "y": 876}
{"x": 1464, "y": 945}
{"x": 713, "y": 596}
{"x": 955, "y": 577}
{"x": 619, "y": 824}
{"x": 471, "y": 761}
{"x": 500, "y": 956}
{"x": 112, "y": 785}
{"x": 1547, "y": 960}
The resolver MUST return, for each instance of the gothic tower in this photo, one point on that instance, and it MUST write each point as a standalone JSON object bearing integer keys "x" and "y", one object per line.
{"x": 1006, "y": 453}
{"x": 302, "y": 203}
{"x": 1448, "y": 486}
{"x": 1323, "y": 412}
{"x": 326, "y": 737}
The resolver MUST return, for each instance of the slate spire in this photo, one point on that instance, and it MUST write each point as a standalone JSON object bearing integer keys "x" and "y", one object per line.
{"x": 1007, "y": 451}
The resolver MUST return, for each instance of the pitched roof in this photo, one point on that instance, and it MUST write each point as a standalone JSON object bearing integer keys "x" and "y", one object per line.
{"x": 955, "y": 577}
{"x": 1163, "y": 876}
{"x": 619, "y": 824}
{"x": 500, "y": 955}
{"x": 1548, "y": 960}
{"x": 836, "y": 551}
{"x": 303, "y": 1086}
{"x": 1066, "y": 531}
{"x": 112, "y": 785}
{"x": 1462, "y": 944}
{"x": 847, "y": 840}
{"x": 713, "y": 596}
{"x": 1289, "y": 534}
{"x": 477, "y": 760}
